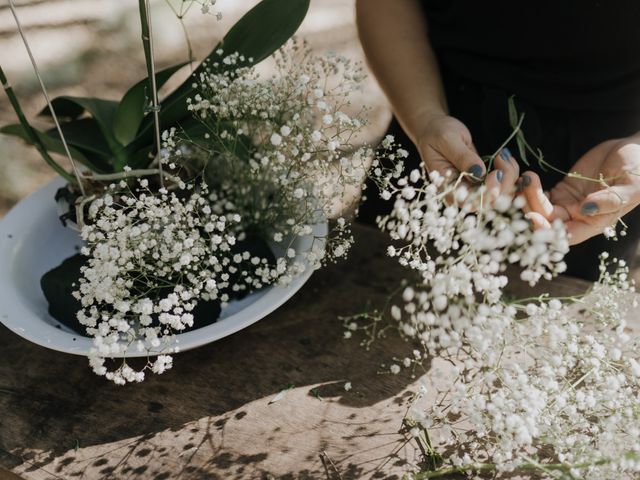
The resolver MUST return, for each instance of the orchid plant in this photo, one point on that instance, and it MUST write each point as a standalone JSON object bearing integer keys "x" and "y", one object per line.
{"x": 106, "y": 136}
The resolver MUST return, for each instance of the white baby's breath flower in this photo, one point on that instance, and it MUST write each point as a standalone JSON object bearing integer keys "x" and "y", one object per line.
{"x": 285, "y": 130}
{"x": 276, "y": 139}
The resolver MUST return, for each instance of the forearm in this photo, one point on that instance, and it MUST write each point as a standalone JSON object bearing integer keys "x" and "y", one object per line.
{"x": 393, "y": 34}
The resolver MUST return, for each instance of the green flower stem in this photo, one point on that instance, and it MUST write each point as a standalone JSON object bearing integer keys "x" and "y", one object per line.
{"x": 147, "y": 43}
{"x": 146, "y": 40}
{"x": 483, "y": 467}
{"x": 130, "y": 174}
{"x": 516, "y": 129}
{"x": 33, "y": 136}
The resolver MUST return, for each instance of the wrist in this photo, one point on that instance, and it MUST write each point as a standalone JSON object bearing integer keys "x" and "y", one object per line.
{"x": 423, "y": 123}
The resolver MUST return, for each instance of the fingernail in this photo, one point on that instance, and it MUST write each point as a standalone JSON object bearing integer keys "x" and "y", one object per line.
{"x": 499, "y": 175}
{"x": 589, "y": 208}
{"x": 505, "y": 153}
{"x": 526, "y": 180}
{"x": 476, "y": 171}
{"x": 519, "y": 185}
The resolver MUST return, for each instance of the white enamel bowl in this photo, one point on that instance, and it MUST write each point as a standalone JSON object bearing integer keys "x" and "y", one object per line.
{"x": 33, "y": 241}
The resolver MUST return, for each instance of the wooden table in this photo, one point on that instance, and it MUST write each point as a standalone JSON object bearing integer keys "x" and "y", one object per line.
{"x": 210, "y": 417}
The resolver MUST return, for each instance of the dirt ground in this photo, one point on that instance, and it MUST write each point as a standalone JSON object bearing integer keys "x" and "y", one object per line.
{"x": 92, "y": 48}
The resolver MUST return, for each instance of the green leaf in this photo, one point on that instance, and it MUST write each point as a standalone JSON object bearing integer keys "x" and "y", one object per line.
{"x": 64, "y": 108}
{"x": 131, "y": 110}
{"x": 139, "y": 150}
{"x": 264, "y": 29}
{"x": 86, "y": 136}
{"x": 51, "y": 144}
{"x": 259, "y": 33}
{"x": 140, "y": 158}
{"x": 513, "y": 112}
{"x": 103, "y": 111}
{"x": 514, "y": 120}
{"x": 72, "y": 107}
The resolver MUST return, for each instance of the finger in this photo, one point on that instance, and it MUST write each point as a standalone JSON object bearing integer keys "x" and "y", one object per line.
{"x": 509, "y": 165}
{"x": 534, "y": 194}
{"x": 463, "y": 157}
{"x": 537, "y": 220}
{"x": 538, "y": 200}
{"x": 560, "y": 213}
{"x": 597, "y": 221}
{"x": 610, "y": 200}
{"x": 493, "y": 183}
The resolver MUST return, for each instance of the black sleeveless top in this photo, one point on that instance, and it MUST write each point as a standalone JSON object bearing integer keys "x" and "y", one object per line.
{"x": 567, "y": 54}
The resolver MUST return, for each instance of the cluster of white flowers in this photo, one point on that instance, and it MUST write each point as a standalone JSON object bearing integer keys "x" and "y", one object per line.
{"x": 460, "y": 252}
{"x": 276, "y": 159}
{"x": 542, "y": 384}
{"x": 152, "y": 256}
{"x": 558, "y": 391}
{"x": 280, "y": 150}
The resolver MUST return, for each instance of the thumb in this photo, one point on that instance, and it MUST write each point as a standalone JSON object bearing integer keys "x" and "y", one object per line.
{"x": 610, "y": 200}
{"x": 578, "y": 231}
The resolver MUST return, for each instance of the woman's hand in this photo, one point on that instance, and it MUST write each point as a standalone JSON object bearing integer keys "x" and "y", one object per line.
{"x": 587, "y": 207}
{"x": 445, "y": 146}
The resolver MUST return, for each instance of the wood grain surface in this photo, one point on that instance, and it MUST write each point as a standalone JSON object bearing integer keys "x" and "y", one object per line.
{"x": 213, "y": 416}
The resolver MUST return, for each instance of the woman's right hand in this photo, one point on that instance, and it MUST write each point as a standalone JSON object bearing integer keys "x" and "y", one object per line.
{"x": 445, "y": 146}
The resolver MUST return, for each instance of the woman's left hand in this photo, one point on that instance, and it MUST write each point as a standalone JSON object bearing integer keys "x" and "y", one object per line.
{"x": 586, "y": 206}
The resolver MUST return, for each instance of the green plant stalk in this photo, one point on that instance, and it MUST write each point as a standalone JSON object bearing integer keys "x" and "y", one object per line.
{"x": 146, "y": 45}
{"x": 33, "y": 136}
{"x": 484, "y": 467}
{"x": 516, "y": 130}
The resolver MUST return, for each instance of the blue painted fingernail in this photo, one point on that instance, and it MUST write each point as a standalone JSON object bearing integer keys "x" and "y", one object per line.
{"x": 499, "y": 175}
{"x": 519, "y": 185}
{"x": 526, "y": 180}
{"x": 589, "y": 208}
{"x": 476, "y": 171}
{"x": 505, "y": 154}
